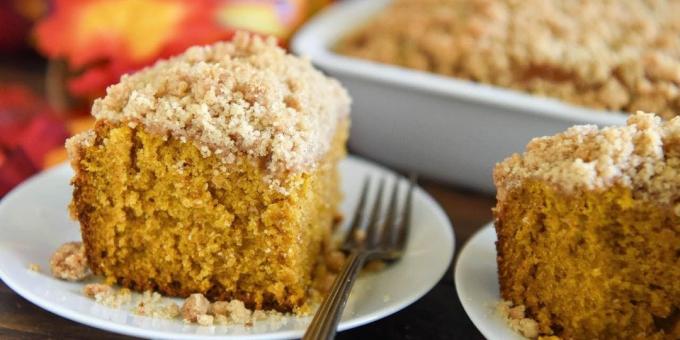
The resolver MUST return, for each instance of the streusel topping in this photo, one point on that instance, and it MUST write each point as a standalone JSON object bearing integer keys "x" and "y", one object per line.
{"x": 617, "y": 55}
{"x": 247, "y": 97}
{"x": 643, "y": 155}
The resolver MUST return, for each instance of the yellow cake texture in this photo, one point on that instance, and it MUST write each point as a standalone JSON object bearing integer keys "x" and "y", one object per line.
{"x": 214, "y": 172}
{"x": 621, "y": 55}
{"x": 588, "y": 225}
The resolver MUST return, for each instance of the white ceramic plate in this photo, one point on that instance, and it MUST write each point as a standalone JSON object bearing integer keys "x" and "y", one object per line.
{"x": 34, "y": 222}
{"x": 476, "y": 278}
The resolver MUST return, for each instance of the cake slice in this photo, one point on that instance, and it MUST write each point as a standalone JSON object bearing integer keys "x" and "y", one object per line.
{"x": 213, "y": 172}
{"x": 588, "y": 225}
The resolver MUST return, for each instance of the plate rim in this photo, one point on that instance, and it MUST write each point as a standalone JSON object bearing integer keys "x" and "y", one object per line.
{"x": 458, "y": 277}
{"x": 118, "y": 328}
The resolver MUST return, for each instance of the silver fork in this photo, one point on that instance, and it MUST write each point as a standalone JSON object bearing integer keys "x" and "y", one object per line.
{"x": 370, "y": 241}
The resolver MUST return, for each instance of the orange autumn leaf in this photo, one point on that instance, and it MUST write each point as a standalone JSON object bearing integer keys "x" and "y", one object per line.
{"x": 277, "y": 18}
{"x": 104, "y": 39}
{"x": 29, "y": 132}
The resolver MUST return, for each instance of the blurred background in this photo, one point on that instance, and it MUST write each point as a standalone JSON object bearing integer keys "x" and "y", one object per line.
{"x": 56, "y": 56}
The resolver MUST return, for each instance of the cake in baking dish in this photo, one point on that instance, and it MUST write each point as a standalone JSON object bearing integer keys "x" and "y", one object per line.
{"x": 213, "y": 172}
{"x": 615, "y": 55}
{"x": 588, "y": 225}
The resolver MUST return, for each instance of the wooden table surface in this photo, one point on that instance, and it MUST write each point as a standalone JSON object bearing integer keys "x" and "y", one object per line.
{"x": 438, "y": 315}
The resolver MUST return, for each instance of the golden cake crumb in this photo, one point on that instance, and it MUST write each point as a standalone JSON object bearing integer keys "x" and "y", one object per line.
{"x": 616, "y": 55}
{"x": 374, "y": 266}
{"x": 107, "y": 295}
{"x": 643, "y": 155}
{"x": 34, "y": 267}
{"x": 219, "y": 308}
{"x": 225, "y": 313}
{"x": 115, "y": 300}
{"x": 221, "y": 319}
{"x": 69, "y": 262}
{"x": 334, "y": 260}
{"x": 261, "y": 315}
{"x": 205, "y": 320}
{"x": 152, "y": 304}
{"x": 172, "y": 310}
{"x": 235, "y": 310}
{"x": 325, "y": 283}
{"x": 195, "y": 305}
{"x": 196, "y": 309}
{"x": 247, "y": 97}
{"x": 93, "y": 289}
{"x": 516, "y": 319}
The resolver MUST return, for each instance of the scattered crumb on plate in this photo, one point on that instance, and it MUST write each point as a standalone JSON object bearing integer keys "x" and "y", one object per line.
{"x": 69, "y": 262}
{"x": 196, "y": 309}
{"x": 194, "y": 306}
{"x": 107, "y": 295}
{"x": 516, "y": 319}
{"x": 152, "y": 304}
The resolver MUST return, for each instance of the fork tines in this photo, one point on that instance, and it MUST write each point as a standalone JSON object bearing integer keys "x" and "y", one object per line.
{"x": 386, "y": 232}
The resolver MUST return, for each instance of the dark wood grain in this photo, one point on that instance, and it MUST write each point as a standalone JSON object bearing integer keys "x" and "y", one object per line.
{"x": 438, "y": 315}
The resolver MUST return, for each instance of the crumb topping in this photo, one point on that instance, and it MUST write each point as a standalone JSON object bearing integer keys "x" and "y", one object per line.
{"x": 644, "y": 155}
{"x": 194, "y": 306}
{"x": 69, "y": 262}
{"x": 205, "y": 320}
{"x": 197, "y": 309}
{"x": 244, "y": 98}
{"x": 516, "y": 319}
{"x": 235, "y": 311}
{"x": 93, "y": 289}
{"x": 107, "y": 295}
{"x": 617, "y": 55}
{"x": 83, "y": 139}
{"x": 152, "y": 304}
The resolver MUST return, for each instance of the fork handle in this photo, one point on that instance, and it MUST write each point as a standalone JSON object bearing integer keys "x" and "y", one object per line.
{"x": 325, "y": 322}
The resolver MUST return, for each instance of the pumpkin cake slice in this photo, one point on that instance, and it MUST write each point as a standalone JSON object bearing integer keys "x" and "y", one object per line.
{"x": 588, "y": 225}
{"x": 213, "y": 172}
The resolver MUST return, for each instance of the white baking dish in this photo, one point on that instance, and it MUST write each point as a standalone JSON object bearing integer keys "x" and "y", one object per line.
{"x": 441, "y": 127}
